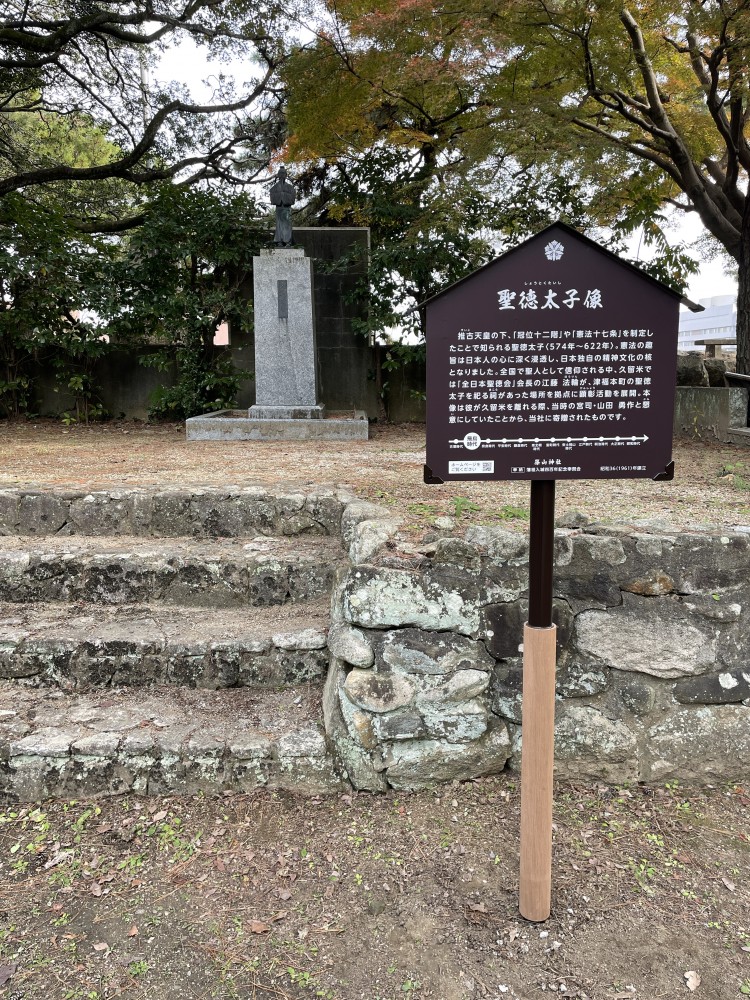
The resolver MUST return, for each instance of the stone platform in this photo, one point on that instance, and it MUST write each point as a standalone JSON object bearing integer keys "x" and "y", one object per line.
{"x": 236, "y": 425}
{"x": 158, "y": 741}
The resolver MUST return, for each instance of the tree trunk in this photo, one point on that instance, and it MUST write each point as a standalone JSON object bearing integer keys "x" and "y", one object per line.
{"x": 743, "y": 295}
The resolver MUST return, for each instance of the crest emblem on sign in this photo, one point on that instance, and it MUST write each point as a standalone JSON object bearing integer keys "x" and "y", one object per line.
{"x": 554, "y": 250}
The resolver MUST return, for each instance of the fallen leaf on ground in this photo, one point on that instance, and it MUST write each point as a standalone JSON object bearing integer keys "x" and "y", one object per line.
{"x": 58, "y": 859}
{"x": 101, "y": 946}
{"x": 692, "y": 980}
{"x": 6, "y": 971}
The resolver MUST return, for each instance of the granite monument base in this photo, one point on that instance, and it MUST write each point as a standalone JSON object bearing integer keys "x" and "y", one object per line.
{"x": 236, "y": 425}
{"x": 260, "y": 412}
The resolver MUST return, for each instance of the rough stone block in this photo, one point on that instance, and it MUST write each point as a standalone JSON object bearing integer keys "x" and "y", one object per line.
{"x": 589, "y": 745}
{"x": 102, "y": 514}
{"x": 326, "y": 511}
{"x": 44, "y": 743}
{"x": 577, "y": 678}
{"x": 701, "y": 744}
{"x": 351, "y": 645}
{"x": 456, "y": 552}
{"x": 463, "y": 686}
{"x": 728, "y": 687}
{"x": 647, "y": 635}
{"x": 311, "y": 638}
{"x": 637, "y": 695}
{"x": 404, "y": 724}
{"x": 433, "y": 600}
{"x": 8, "y": 512}
{"x": 462, "y": 723}
{"x": 170, "y": 514}
{"x": 411, "y": 765}
{"x": 378, "y": 690}
{"x": 355, "y": 513}
{"x": 506, "y": 691}
{"x": 499, "y": 543}
{"x": 358, "y": 765}
{"x": 502, "y": 627}
{"x": 369, "y": 537}
{"x": 706, "y": 562}
{"x": 97, "y": 745}
{"x": 41, "y": 514}
{"x": 416, "y": 651}
{"x": 655, "y": 584}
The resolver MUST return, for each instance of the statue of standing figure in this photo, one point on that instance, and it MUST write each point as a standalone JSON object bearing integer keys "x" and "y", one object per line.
{"x": 283, "y": 196}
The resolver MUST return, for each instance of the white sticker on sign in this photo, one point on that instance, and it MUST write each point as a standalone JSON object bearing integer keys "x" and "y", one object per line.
{"x": 471, "y": 468}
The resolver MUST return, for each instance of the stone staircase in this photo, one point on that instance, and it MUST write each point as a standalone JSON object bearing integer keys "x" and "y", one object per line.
{"x": 165, "y": 641}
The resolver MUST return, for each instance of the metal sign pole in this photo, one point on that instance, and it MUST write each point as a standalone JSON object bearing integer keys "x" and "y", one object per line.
{"x": 538, "y": 719}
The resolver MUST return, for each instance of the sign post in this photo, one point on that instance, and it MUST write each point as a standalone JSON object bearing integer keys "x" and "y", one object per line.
{"x": 555, "y": 361}
{"x": 538, "y": 718}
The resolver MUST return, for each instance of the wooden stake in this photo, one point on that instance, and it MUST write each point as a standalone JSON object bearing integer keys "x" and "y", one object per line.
{"x": 537, "y": 761}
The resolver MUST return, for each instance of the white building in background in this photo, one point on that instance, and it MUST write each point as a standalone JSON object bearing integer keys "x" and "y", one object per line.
{"x": 719, "y": 320}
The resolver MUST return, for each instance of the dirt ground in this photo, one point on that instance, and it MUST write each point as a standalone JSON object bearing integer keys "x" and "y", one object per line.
{"x": 711, "y": 485}
{"x": 272, "y": 897}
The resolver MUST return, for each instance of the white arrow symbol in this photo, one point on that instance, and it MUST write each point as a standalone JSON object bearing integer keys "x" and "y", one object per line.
{"x": 557, "y": 440}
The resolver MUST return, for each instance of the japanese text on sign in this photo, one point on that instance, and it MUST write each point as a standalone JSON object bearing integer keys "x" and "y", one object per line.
{"x": 528, "y": 298}
{"x": 549, "y": 376}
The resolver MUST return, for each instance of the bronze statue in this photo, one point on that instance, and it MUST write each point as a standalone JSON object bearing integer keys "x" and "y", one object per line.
{"x": 283, "y": 196}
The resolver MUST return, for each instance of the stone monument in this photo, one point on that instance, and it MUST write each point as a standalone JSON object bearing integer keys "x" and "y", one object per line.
{"x": 287, "y": 405}
{"x": 286, "y": 369}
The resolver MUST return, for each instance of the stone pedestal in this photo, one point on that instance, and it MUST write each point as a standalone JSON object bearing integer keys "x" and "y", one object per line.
{"x": 286, "y": 371}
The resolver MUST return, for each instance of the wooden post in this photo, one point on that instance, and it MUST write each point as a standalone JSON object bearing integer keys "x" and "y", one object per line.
{"x": 537, "y": 758}
{"x": 538, "y": 719}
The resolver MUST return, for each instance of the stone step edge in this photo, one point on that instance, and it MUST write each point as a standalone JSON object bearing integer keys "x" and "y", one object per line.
{"x": 201, "y": 511}
{"x": 282, "y": 658}
{"x": 362, "y": 526}
{"x": 251, "y": 576}
{"x": 72, "y": 759}
{"x": 62, "y": 619}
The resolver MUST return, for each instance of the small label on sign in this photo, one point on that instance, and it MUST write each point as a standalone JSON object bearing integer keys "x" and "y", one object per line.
{"x": 471, "y": 468}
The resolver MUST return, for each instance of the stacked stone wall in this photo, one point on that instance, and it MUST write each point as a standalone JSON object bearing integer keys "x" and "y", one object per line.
{"x": 653, "y": 673}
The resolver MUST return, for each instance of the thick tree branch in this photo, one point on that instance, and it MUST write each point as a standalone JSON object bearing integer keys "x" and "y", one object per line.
{"x": 126, "y": 166}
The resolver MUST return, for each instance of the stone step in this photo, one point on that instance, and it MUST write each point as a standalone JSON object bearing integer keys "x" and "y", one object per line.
{"x": 160, "y": 741}
{"x": 224, "y": 573}
{"x": 739, "y": 435}
{"x": 79, "y": 646}
{"x": 199, "y": 512}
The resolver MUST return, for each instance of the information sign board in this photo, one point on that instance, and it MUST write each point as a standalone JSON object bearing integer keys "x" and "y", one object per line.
{"x": 555, "y": 361}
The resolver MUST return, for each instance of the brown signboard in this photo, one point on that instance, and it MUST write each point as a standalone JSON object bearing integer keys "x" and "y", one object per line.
{"x": 554, "y": 361}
